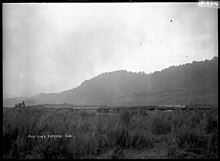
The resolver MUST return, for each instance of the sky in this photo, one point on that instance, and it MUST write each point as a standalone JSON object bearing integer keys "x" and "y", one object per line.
{"x": 49, "y": 48}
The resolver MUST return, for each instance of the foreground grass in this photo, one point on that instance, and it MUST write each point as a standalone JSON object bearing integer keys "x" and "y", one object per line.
{"x": 128, "y": 134}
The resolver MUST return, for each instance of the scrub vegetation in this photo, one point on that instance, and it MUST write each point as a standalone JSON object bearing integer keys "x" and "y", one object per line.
{"x": 65, "y": 133}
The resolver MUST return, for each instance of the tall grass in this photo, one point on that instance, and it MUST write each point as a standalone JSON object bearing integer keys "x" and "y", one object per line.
{"x": 185, "y": 133}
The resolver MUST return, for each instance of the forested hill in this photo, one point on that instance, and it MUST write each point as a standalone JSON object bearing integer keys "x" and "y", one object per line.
{"x": 195, "y": 82}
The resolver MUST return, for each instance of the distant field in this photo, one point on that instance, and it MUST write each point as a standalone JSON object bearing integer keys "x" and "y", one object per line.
{"x": 45, "y": 132}
{"x": 146, "y": 107}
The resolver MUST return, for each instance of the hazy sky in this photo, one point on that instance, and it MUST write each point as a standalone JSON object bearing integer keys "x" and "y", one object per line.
{"x": 55, "y": 47}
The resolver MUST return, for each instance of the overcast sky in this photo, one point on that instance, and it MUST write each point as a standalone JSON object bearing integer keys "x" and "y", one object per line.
{"x": 55, "y": 47}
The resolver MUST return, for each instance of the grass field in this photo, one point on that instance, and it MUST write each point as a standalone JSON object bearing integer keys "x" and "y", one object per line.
{"x": 65, "y": 133}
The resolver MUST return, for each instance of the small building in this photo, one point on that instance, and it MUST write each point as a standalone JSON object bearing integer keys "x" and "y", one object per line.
{"x": 19, "y": 105}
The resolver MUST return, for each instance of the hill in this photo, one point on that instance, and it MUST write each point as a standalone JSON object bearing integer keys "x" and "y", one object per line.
{"x": 195, "y": 82}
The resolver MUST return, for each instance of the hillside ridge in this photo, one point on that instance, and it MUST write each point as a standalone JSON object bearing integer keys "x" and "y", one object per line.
{"x": 191, "y": 82}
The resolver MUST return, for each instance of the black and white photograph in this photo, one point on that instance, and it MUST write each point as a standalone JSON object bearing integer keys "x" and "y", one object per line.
{"x": 110, "y": 80}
